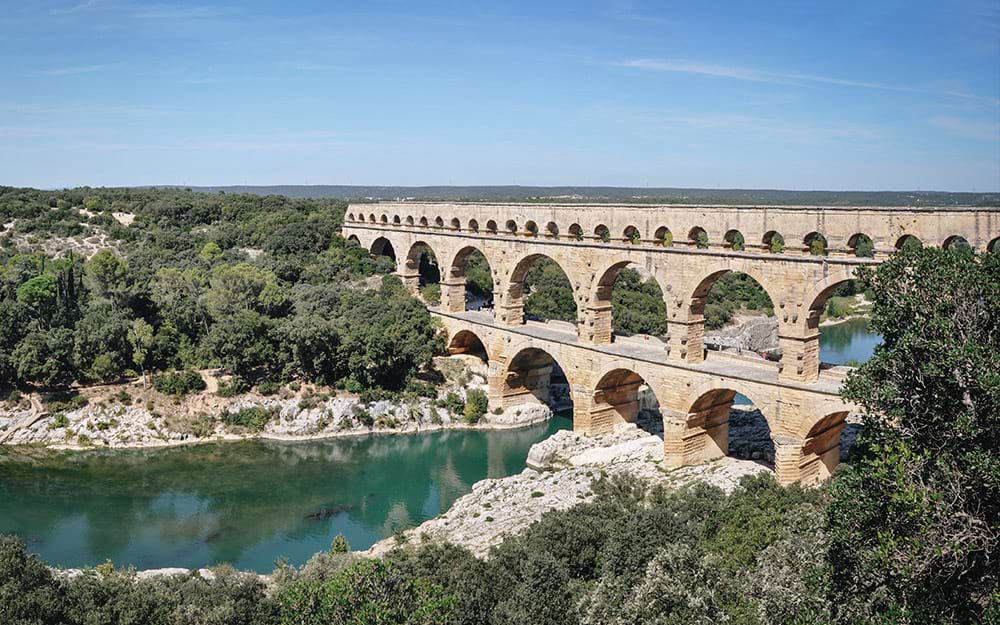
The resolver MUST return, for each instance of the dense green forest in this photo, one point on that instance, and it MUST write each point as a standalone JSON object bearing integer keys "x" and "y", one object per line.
{"x": 262, "y": 286}
{"x": 906, "y": 533}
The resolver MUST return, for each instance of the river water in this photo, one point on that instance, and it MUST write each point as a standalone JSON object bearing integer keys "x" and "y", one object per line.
{"x": 248, "y": 503}
{"x": 245, "y": 503}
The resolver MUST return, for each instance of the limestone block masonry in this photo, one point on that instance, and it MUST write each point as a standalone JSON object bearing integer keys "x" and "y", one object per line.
{"x": 686, "y": 249}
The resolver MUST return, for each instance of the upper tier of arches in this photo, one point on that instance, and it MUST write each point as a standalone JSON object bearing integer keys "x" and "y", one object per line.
{"x": 706, "y": 235}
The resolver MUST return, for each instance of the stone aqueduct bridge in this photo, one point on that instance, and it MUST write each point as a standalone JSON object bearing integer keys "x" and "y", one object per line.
{"x": 592, "y": 243}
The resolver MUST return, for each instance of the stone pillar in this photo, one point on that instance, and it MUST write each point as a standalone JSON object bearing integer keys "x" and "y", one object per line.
{"x": 695, "y": 437}
{"x": 787, "y": 459}
{"x": 799, "y": 356}
{"x": 686, "y": 332}
{"x": 595, "y": 328}
{"x": 494, "y": 379}
{"x": 453, "y": 295}
{"x": 510, "y": 306}
{"x": 411, "y": 282}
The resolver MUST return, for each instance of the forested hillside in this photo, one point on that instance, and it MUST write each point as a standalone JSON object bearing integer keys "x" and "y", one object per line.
{"x": 96, "y": 284}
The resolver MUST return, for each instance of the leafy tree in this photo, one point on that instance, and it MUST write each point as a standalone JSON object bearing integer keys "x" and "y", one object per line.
{"x": 44, "y": 357}
{"x": 637, "y": 306}
{"x": 210, "y": 252}
{"x": 29, "y": 593}
{"x": 243, "y": 287}
{"x": 242, "y": 342}
{"x": 476, "y": 403}
{"x": 915, "y": 519}
{"x": 107, "y": 277}
{"x": 39, "y": 294}
{"x": 102, "y": 332}
{"x": 140, "y": 336}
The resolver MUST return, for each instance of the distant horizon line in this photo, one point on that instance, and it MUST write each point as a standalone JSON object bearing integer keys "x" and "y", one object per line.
{"x": 501, "y": 186}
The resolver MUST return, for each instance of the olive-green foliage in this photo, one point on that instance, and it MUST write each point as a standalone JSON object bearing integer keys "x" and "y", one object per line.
{"x": 476, "y": 403}
{"x": 549, "y": 294}
{"x": 477, "y": 275}
{"x": 371, "y": 592}
{"x": 915, "y": 518}
{"x": 733, "y": 292}
{"x": 198, "y": 280}
{"x": 637, "y": 305}
{"x": 431, "y": 293}
{"x": 179, "y": 382}
{"x": 254, "y": 418}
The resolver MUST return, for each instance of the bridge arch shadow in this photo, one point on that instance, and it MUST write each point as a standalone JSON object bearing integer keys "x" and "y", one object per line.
{"x": 715, "y": 425}
{"x": 623, "y": 396}
{"x": 467, "y": 342}
{"x": 534, "y": 376}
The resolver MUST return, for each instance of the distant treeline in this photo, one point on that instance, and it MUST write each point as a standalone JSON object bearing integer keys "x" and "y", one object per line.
{"x": 665, "y": 195}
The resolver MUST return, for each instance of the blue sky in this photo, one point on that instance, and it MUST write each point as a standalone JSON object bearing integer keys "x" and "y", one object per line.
{"x": 796, "y": 95}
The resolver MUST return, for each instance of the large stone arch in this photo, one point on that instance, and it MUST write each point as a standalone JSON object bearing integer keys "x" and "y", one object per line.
{"x": 524, "y": 375}
{"x": 686, "y": 306}
{"x": 410, "y": 270}
{"x": 597, "y": 326}
{"x": 510, "y": 305}
{"x": 468, "y": 342}
{"x": 453, "y": 276}
{"x": 615, "y": 396}
{"x": 382, "y": 246}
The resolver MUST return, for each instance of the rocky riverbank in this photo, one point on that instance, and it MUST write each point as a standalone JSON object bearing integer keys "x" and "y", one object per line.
{"x": 132, "y": 416}
{"x": 562, "y": 469}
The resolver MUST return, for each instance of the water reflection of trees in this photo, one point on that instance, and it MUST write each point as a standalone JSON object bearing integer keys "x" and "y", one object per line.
{"x": 214, "y": 502}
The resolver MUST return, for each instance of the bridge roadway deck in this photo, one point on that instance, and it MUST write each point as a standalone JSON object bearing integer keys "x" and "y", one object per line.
{"x": 651, "y": 350}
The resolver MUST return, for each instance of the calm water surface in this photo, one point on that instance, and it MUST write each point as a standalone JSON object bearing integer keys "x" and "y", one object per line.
{"x": 245, "y": 503}
{"x": 851, "y": 341}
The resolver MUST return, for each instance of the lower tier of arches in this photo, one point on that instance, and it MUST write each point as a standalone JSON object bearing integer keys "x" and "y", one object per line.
{"x": 606, "y": 386}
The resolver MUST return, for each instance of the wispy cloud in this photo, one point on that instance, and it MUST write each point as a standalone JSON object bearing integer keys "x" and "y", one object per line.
{"x": 78, "y": 69}
{"x": 970, "y": 128}
{"x": 75, "y": 8}
{"x": 756, "y": 75}
{"x": 174, "y": 12}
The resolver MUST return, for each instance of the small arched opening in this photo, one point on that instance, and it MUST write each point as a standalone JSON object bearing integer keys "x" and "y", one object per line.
{"x": 353, "y": 241}
{"x": 350, "y": 217}
{"x": 423, "y": 222}
{"x": 371, "y": 218}
{"x": 773, "y": 242}
{"x": 576, "y": 232}
{"x": 861, "y": 245}
{"x": 384, "y": 219}
{"x": 698, "y": 238}
{"x": 511, "y": 226}
{"x": 956, "y": 243}
{"x": 552, "y": 230}
{"x": 664, "y": 237}
{"x": 473, "y": 225}
{"x": 409, "y": 220}
{"x": 491, "y": 227}
{"x": 735, "y": 241}
{"x": 908, "y": 241}
{"x": 631, "y": 235}
{"x": 602, "y": 234}
{"x": 815, "y": 244}
{"x": 395, "y": 220}
{"x": 994, "y": 246}
{"x": 456, "y": 224}
{"x": 530, "y": 229}
{"x": 438, "y": 222}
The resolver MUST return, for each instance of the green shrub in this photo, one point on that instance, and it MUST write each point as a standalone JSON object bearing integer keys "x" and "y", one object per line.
{"x": 254, "y": 418}
{"x": 59, "y": 421}
{"x": 179, "y": 382}
{"x": 431, "y": 294}
{"x": 235, "y": 386}
{"x": 453, "y": 403}
{"x": 268, "y": 387}
{"x": 475, "y": 405}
